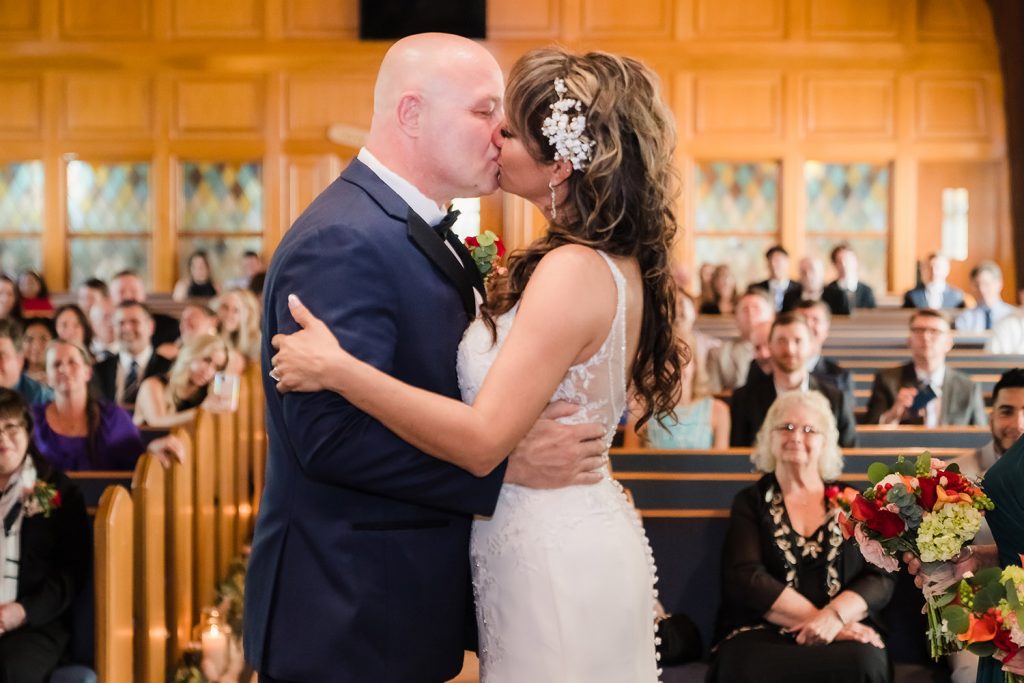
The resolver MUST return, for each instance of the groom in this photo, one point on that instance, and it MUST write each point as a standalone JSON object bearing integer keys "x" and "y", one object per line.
{"x": 360, "y": 563}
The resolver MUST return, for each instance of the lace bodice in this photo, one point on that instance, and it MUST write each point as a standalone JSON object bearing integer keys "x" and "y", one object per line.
{"x": 598, "y": 385}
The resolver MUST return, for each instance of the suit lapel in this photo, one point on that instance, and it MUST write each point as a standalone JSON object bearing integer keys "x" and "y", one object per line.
{"x": 469, "y": 265}
{"x": 424, "y": 237}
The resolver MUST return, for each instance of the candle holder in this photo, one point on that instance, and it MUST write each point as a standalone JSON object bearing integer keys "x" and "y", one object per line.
{"x": 214, "y": 638}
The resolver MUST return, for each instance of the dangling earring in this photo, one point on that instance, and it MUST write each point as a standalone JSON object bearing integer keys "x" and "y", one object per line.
{"x": 554, "y": 211}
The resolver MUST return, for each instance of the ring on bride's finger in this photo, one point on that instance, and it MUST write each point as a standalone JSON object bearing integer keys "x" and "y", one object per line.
{"x": 273, "y": 375}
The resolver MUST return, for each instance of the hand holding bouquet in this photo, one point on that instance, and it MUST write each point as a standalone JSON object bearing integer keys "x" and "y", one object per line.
{"x": 986, "y": 613}
{"x": 923, "y": 507}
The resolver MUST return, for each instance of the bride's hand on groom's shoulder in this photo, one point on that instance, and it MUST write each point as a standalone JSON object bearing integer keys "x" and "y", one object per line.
{"x": 553, "y": 455}
{"x": 303, "y": 358}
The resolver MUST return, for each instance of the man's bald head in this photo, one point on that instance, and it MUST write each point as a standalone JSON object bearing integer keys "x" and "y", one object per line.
{"x": 437, "y": 104}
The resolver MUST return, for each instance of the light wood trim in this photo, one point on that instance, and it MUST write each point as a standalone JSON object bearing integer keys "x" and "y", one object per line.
{"x": 114, "y": 586}
{"x": 180, "y": 543}
{"x": 205, "y": 514}
{"x": 226, "y": 456}
{"x": 149, "y": 569}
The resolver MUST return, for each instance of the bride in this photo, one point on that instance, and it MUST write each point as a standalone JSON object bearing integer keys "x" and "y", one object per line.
{"x": 563, "y": 578}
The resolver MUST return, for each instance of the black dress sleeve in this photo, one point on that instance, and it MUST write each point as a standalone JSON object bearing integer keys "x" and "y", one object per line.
{"x": 747, "y": 584}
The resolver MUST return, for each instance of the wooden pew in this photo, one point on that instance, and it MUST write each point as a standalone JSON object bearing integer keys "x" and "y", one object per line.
{"x": 259, "y": 435}
{"x": 243, "y": 476}
{"x": 204, "y": 512}
{"x": 93, "y": 484}
{"x": 114, "y": 586}
{"x": 226, "y": 457}
{"x": 151, "y": 633}
{"x": 916, "y": 436}
{"x": 180, "y": 552}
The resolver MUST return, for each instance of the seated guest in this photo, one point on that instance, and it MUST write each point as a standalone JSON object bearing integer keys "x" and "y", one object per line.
{"x": 37, "y": 335}
{"x": 819, "y": 320}
{"x": 790, "y": 346}
{"x": 35, "y": 297}
{"x": 686, "y": 316}
{"x": 170, "y": 400}
{"x": 799, "y": 603}
{"x": 128, "y": 286}
{"x": 723, "y": 293}
{"x": 847, "y": 292}
{"x": 252, "y": 265}
{"x": 10, "y": 299}
{"x": 12, "y": 365}
{"x": 78, "y": 432}
{"x": 1007, "y": 335}
{"x": 197, "y": 320}
{"x": 926, "y": 391}
{"x": 700, "y": 420}
{"x": 761, "y": 366}
{"x": 778, "y": 285}
{"x": 104, "y": 338}
{"x": 239, "y": 314}
{"x": 812, "y": 283}
{"x": 199, "y": 283}
{"x": 72, "y": 325}
{"x": 934, "y": 292}
{"x": 705, "y": 273}
{"x": 728, "y": 365}
{"x": 989, "y": 308}
{"x": 45, "y": 551}
{"x": 117, "y": 378}
{"x": 90, "y": 293}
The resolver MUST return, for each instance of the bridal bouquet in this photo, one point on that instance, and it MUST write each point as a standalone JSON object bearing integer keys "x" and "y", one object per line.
{"x": 919, "y": 506}
{"x": 986, "y": 613}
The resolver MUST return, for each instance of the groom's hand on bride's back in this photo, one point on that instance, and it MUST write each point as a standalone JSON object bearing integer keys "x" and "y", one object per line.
{"x": 553, "y": 454}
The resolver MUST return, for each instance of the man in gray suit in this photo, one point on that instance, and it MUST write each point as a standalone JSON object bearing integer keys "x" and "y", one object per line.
{"x": 926, "y": 391}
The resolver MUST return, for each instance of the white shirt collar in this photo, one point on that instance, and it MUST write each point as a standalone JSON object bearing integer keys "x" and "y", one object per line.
{"x": 934, "y": 380}
{"x": 849, "y": 283}
{"x": 805, "y": 385}
{"x": 125, "y": 359}
{"x": 425, "y": 208}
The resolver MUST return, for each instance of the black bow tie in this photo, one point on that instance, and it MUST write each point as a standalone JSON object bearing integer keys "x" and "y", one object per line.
{"x": 444, "y": 228}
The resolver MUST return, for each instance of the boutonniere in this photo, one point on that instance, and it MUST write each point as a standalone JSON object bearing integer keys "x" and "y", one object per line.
{"x": 43, "y": 498}
{"x": 487, "y": 250}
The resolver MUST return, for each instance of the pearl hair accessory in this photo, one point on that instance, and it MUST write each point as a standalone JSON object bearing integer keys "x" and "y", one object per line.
{"x": 565, "y": 133}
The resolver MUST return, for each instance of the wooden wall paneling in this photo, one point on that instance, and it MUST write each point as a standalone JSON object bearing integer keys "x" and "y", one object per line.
{"x": 165, "y": 179}
{"x": 738, "y": 104}
{"x": 273, "y": 153}
{"x": 842, "y": 108}
{"x": 20, "y": 19}
{"x": 55, "y": 244}
{"x": 220, "y": 107}
{"x": 854, "y": 19}
{"x": 313, "y": 102}
{"x": 151, "y": 633}
{"x": 307, "y": 176}
{"x": 949, "y": 20}
{"x": 732, "y": 19}
{"x": 114, "y": 586}
{"x": 523, "y": 19}
{"x": 21, "y": 107}
{"x": 107, "y": 20}
{"x": 637, "y": 19}
{"x": 224, "y": 18}
{"x": 952, "y": 107}
{"x": 317, "y": 19}
{"x": 116, "y": 106}
{"x": 987, "y": 231}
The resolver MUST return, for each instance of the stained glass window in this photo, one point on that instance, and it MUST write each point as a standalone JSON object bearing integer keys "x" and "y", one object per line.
{"x": 222, "y": 197}
{"x": 736, "y": 215}
{"x": 105, "y": 257}
{"x": 850, "y": 203}
{"x": 108, "y": 197}
{"x": 21, "y": 216}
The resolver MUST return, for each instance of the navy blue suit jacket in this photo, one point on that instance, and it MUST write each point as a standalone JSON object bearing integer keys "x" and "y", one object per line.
{"x": 952, "y": 297}
{"x": 360, "y": 566}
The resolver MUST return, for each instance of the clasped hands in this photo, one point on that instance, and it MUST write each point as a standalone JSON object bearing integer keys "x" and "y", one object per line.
{"x": 826, "y": 626}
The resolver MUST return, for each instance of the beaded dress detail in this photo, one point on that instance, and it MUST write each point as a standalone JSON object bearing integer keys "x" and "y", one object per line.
{"x": 564, "y": 578}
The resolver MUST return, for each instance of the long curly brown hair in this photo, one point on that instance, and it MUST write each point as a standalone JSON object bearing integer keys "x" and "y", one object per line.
{"x": 621, "y": 204}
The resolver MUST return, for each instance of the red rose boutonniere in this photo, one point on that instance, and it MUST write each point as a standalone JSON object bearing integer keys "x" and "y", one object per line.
{"x": 487, "y": 250}
{"x": 42, "y": 498}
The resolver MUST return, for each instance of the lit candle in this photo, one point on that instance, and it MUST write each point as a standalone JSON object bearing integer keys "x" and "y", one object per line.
{"x": 215, "y": 651}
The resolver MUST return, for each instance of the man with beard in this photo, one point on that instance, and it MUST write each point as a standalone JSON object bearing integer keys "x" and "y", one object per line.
{"x": 790, "y": 344}
{"x": 1006, "y": 423}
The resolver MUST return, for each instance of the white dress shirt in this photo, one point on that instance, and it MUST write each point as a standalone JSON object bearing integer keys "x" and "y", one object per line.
{"x": 932, "y": 411}
{"x": 124, "y": 365}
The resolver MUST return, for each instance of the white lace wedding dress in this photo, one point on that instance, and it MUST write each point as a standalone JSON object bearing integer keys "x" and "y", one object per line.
{"x": 563, "y": 578}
